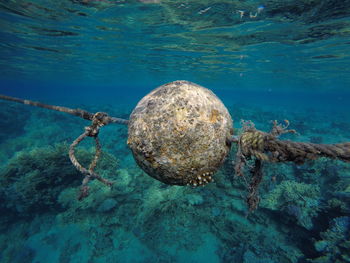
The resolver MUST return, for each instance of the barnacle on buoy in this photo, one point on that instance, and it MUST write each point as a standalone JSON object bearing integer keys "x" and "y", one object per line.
{"x": 180, "y": 133}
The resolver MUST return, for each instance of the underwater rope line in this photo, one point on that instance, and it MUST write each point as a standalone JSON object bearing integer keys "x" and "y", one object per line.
{"x": 252, "y": 144}
{"x": 267, "y": 147}
{"x": 98, "y": 120}
{"x": 76, "y": 112}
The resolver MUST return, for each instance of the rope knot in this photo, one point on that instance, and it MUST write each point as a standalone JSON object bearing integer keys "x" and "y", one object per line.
{"x": 100, "y": 119}
{"x": 252, "y": 143}
{"x": 256, "y": 143}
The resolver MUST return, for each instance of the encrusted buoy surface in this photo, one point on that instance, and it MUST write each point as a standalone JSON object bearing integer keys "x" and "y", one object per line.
{"x": 180, "y": 133}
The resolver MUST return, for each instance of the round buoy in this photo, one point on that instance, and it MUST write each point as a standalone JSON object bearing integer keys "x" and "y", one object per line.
{"x": 180, "y": 133}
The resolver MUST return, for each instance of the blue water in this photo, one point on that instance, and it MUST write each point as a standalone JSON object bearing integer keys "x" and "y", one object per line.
{"x": 279, "y": 60}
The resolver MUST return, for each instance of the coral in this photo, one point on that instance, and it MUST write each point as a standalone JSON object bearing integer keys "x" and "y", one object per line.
{"x": 107, "y": 205}
{"x": 335, "y": 243}
{"x": 40, "y": 128}
{"x": 195, "y": 199}
{"x": 250, "y": 257}
{"x": 32, "y": 181}
{"x": 297, "y": 200}
{"x": 101, "y": 200}
{"x": 142, "y": 220}
{"x": 125, "y": 181}
{"x": 26, "y": 255}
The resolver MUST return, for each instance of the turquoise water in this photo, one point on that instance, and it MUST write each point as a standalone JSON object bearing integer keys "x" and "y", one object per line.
{"x": 266, "y": 60}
